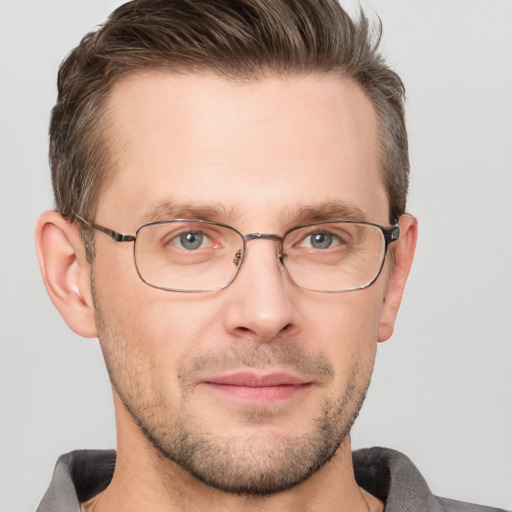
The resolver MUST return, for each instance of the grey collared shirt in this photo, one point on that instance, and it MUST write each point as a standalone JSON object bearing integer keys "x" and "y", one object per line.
{"x": 387, "y": 474}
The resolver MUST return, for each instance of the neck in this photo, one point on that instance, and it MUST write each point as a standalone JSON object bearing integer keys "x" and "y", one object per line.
{"x": 146, "y": 480}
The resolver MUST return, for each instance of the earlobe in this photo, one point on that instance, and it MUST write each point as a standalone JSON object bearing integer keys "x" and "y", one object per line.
{"x": 404, "y": 254}
{"x": 66, "y": 272}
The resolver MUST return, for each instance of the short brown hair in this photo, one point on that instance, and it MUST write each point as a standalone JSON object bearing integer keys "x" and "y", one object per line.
{"x": 238, "y": 39}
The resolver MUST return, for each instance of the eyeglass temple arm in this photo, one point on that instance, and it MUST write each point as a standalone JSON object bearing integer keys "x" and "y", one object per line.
{"x": 390, "y": 234}
{"x": 118, "y": 237}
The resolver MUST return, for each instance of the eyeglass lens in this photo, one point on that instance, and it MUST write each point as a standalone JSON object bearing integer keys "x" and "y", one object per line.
{"x": 201, "y": 256}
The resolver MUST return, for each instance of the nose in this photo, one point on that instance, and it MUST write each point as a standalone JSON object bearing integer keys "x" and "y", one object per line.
{"x": 262, "y": 299}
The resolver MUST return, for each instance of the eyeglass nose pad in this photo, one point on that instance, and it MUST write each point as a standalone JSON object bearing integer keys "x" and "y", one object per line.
{"x": 239, "y": 255}
{"x": 238, "y": 258}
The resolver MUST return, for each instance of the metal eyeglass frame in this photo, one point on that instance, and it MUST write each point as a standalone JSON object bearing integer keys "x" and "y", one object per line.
{"x": 390, "y": 234}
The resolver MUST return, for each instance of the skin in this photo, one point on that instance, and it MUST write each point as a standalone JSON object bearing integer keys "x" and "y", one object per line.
{"x": 264, "y": 151}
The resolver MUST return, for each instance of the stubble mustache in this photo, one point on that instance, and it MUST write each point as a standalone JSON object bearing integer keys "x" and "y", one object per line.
{"x": 282, "y": 355}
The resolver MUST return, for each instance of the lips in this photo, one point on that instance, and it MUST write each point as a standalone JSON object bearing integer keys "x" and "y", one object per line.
{"x": 257, "y": 389}
{"x": 253, "y": 380}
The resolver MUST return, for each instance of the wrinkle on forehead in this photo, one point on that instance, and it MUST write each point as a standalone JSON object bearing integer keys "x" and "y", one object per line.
{"x": 201, "y": 147}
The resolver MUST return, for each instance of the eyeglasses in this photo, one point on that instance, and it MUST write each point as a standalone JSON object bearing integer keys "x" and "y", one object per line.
{"x": 183, "y": 255}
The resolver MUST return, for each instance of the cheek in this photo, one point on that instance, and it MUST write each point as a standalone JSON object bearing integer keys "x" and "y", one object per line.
{"x": 146, "y": 344}
{"x": 164, "y": 329}
{"x": 158, "y": 329}
{"x": 345, "y": 327}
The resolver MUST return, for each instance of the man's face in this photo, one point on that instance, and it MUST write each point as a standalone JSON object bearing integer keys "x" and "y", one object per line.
{"x": 254, "y": 387}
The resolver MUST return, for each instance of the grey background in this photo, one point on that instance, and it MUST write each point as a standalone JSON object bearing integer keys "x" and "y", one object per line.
{"x": 442, "y": 388}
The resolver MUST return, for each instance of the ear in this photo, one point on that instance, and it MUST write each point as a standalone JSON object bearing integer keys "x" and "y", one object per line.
{"x": 66, "y": 272}
{"x": 403, "y": 254}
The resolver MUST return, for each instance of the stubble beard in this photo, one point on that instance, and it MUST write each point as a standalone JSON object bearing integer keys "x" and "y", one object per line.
{"x": 239, "y": 465}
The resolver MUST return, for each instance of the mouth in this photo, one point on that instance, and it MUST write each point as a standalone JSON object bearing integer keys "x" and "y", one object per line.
{"x": 253, "y": 389}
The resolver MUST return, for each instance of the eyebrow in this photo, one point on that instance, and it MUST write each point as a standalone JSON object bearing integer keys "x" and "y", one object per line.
{"x": 216, "y": 212}
{"x": 332, "y": 210}
{"x": 173, "y": 210}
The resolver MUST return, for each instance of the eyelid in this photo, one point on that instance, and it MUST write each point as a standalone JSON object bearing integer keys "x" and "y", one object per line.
{"x": 305, "y": 239}
{"x": 174, "y": 238}
{"x": 327, "y": 228}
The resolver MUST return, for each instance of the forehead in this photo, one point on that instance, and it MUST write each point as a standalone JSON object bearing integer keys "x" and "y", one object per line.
{"x": 275, "y": 144}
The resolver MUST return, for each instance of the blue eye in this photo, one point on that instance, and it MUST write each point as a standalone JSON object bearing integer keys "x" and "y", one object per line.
{"x": 320, "y": 240}
{"x": 191, "y": 241}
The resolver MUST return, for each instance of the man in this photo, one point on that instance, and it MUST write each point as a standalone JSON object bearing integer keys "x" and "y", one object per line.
{"x": 231, "y": 181}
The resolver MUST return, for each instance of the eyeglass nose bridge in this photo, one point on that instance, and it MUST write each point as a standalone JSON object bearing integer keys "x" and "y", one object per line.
{"x": 262, "y": 236}
{"x": 240, "y": 257}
